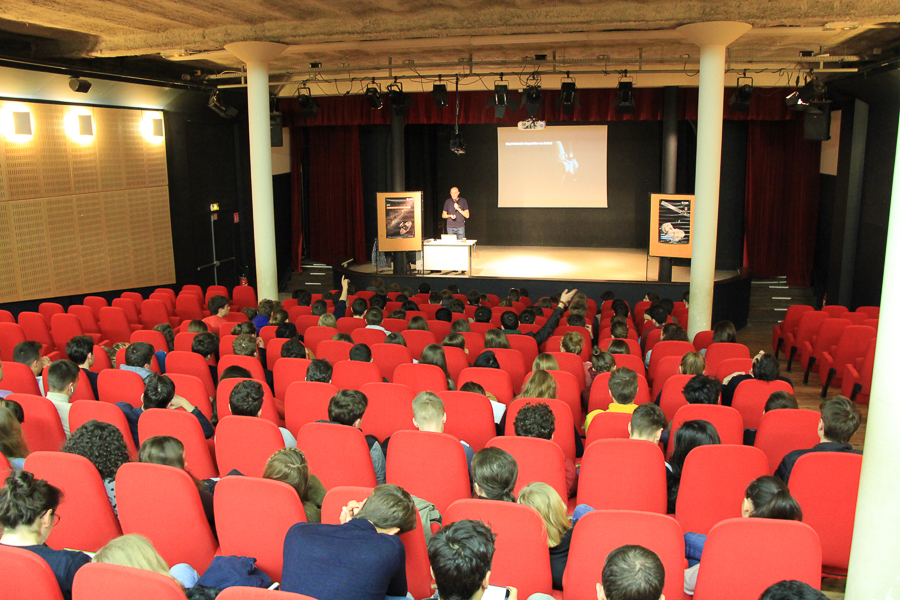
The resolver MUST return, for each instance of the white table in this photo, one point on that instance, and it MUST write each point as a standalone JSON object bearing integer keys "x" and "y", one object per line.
{"x": 449, "y": 255}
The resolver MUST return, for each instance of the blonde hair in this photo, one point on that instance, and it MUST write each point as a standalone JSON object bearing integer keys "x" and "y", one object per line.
{"x": 544, "y": 499}
{"x": 572, "y": 342}
{"x": 133, "y": 551}
{"x": 545, "y": 362}
{"x": 693, "y": 363}
{"x": 289, "y": 466}
{"x": 428, "y": 408}
{"x": 327, "y": 320}
{"x": 540, "y": 385}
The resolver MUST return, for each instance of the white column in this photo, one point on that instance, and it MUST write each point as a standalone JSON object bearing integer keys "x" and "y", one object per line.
{"x": 874, "y": 570}
{"x": 257, "y": 56}
{"x": 713, "y": 38}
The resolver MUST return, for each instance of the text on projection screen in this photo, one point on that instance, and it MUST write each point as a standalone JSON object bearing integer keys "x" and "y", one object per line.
{"x": 555, "y": 167}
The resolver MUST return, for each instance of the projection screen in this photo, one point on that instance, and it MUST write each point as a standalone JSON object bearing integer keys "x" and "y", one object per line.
{"x": 556, "y": 167}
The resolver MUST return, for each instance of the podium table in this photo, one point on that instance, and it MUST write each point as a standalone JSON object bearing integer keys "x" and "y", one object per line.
{"x": 448, "y": 255}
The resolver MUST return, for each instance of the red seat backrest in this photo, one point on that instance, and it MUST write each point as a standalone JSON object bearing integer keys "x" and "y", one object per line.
{"x": 738, "y": 562}
{"x": 306, "y": 402}
{"x": 672, "y": 396}
{"x": 333, "y": 351}
{"x": 663, "y": 349}
{"x": 623, "y": 475}
{"x": 104, "y": 581}
{"x": 184, "y": 427}
{"x": 602, "y": 531}
{"x": 191, "y": 363}
{"x": 751, "y": 396}
{"x": 337, "y": 454}
{"x": 495, "y": 381}
{"x": 245, "y": 444}
{"x": 713, "y": 484}
{"x": 388, "y": 357}
{"x": 352, "y": 375}
{"x": 116, "y": 385}
{"x": 155, "y": 338}
{"x": 721, "y": 351}
{"x": 389, "y": 409}
{"x": 18, "y": 377}
{"x": 573, "y": 364}
{"x": 469, "y": 418}
{"x": 369, "y": 337}
{"x": 42, "y": 428}
{"x": 420, "y": 377}
{"x": 87, "y": 520}
{"x": 192, "y": 389}
{"x": 527, "y": 346}
{"x": 145, "y": 495}
{"x": 286, "y": 372}
{"x": 417, "y": 339}
{"x": 784, "y": 430}
{"x": 223, "y": 404}
{"x": 474, "y": 343}
{"x": 826, "y": 485}
{"x": 513, "y": 363}
{"x": 27, "y": 575}
{"x": 316, "y": 334}
{"x": 520, "y": 559}
{"x": 429, "y": 465}
{"x": 608, "y": 425}
{"x": 262, "y": 537}
{"x": 251, "y": 363}
{"x": 537, "y": 460}
{"x": 725, "y": 419}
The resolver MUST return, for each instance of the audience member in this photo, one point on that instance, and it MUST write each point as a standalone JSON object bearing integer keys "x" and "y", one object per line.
{"x": 632, "y": 573}
{"x": 623, "y": 388}
{"x": 545, "y": 362}
{"x": 263, "y": 314}
{"x": 137, "y": 552}
{"x": 494, "y": 474}
{"x": 690, "y": 435}
{"x": 839, "y": 422}
{"x": 159, "y": 392}
{"x": 319, "y": 370}
{"x": 362, "y": 558}
{"x": 28, "y": 353}
{"x": 139, "y": 358}
{"x": 12, "y": 439}
{"x": 218, "y": 310}
{"x": 103, "y": 445}
{"x": 701, "y": 389}
{"x": 289, "y": 466}
{"x": 510, "y": 321}
{"x": 792, "y": 590}
{"x": 781, "y": 399}
{"x": 647, "y": 423}
{"x": 536, "y": 420}
{"x": 765, "y": 367}
{"x": 544, "y": 499}
{"x": 429, "y": 415}
{"x": 246, "y": 400}
{"x": 28, "y": 515}
{"x": 293, "y": 349}
{"x": 460, "y": 326}
{"x": 461, "y": 555}
{"x": 80, "y": 350}
{"x": 62, "y": 379}
{"x": 374, "y": 317}
{"x": 347, "y": 407}
{"x": 207, "y": 346}
{"x": 433, "y": 354}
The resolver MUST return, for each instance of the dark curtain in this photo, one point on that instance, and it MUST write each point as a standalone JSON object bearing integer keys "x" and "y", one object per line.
{"x": 297, "y": 197}
{"x": 782, "y": 200}
{"x": 336, "y": 223}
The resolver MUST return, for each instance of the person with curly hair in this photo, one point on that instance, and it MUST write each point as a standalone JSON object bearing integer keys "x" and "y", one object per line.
{"x": 537, "y": 420}
{"x": 103, "y": 445}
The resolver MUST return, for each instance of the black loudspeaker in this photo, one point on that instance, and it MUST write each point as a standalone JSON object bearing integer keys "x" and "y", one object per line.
{"x": 817, "y": 123}
{"x": 275, "y": 130}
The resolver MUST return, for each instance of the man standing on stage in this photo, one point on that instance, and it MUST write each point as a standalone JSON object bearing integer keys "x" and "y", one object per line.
{"x": 456, "y": 211}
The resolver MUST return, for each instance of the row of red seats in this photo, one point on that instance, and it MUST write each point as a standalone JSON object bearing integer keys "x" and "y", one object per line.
{"x": 713, "y": 484}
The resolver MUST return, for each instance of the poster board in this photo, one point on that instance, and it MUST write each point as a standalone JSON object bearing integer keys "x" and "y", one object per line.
{"x": 671, "y": 225}
{"x": 399, "y": 221}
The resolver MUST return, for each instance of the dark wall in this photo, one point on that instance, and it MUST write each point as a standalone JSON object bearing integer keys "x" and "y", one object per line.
{"x": 633, "y": 173}
{"x": 209, "y": 162}
{"x": 881, "y": 91}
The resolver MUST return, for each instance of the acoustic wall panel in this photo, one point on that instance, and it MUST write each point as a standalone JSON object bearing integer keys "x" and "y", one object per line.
{"x": 84, "y": 203}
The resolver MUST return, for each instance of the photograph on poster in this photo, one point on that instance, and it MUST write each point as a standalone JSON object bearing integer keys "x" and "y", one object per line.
{"x": 399, "y": 218}
{"x": 674, "y": 221}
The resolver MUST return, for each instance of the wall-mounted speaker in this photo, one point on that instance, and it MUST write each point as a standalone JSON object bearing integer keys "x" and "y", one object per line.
{"x": 275, "y": 130}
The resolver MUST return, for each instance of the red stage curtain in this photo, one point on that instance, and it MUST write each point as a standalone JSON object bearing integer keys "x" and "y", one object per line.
{"x": 335, "y": 195}
{"x": 296, "y": 197}
{"x": 782, "y": 200}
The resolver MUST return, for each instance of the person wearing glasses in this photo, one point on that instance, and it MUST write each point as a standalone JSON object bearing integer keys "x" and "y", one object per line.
{"x": 28, "y": 515}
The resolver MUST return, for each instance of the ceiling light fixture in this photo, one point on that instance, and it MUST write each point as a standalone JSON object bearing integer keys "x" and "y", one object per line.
{"x": 399, "y": 100}
{"x": 373, "y": 95}
{"x": 567, "y": 95}
{"x": 740, "y": 99}
{"x": 220, "y": 108}
{"x": 813, "y": 91}
{"x": 439, "y": 94}
{"x": 82, "y": 86}
{"x": 308, "y": 105}
{"x": 625, "y": 94}
{"x": 532, "y": 97}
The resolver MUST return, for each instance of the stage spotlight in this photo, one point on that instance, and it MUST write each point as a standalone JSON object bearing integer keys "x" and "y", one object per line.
{"x": 625, "y": 96}
{"x": 457, "y": 144}
{"x": 220, "y": 108}
{"x": 567, "y": 97}
{"x": 439, "y": 94}
{"x": 373, "y": 96}
{"x": 801, "y": 99}
{"x": 82, "y": 86}
{"x": 740, "y": 99}
{"x": 532, "y": 99}
{"x": 308, "y": 105}
{"x": 500, "y": 99}
{"x": 399, "y": 100}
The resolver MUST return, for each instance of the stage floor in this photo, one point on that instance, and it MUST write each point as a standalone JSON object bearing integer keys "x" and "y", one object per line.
{"x": 541, "y": 262}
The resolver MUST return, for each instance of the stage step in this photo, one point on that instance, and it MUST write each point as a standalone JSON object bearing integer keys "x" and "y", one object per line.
{"x": 770, "y": 298}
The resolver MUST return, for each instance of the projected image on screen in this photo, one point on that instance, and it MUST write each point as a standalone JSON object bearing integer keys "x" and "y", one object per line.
{"x": 556, "y": 167}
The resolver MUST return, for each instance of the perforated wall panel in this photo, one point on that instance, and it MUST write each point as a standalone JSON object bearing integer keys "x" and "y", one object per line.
{"x": 83, "y": 214}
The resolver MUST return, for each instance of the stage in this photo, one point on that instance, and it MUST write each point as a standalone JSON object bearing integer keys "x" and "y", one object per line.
{"x": 571, "y": 264}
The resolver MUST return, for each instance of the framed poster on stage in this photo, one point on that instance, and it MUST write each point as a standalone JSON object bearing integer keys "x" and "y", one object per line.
{"x": 399, "y": 221}
{"x": 671, "y": 225}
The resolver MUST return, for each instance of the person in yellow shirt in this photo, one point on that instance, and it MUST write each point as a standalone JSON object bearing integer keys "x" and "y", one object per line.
{"x": 623, "y": 387}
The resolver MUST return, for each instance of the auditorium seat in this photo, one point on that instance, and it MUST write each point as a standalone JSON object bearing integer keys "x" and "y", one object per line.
{"x": 469, "y": 418}
{"x": 24, "y": 574}
{"x": 18, "y": 377}
{"x": 306, "y": 402}
{"x": 352, "y": 375}
{"x": 568, "y": 391}
{"x": 83, "y": 411}
{"x": 334, "y": 351}
{"x": 607, "y": 426}
{"x": 429, "y": 465}
{"x": 721, "y": 351}
{"x": 286, "y": 372}
{"x": 672, "y": 395}
{"x": 421, "y": 377}
{"x": 751, "y": 396}
{"x": 725, "y": 419}
{"x": 223, "y": 395}
{"x": 337, "y": 454}
{"x": 190, "y": 363}
{"x": 537, "y": 460}
{"x": 389, "y": 409}
{"x": 623, "y": 475}
{"x": 42, "y": 427}
{"x": 184, "y": 427}
{"x": 495, "y": 381}
{"x": 784, "y": 430}
{"x": 116, "y": 385}
{"x": 155, "y": 338}
{"x": 245, "y": 444}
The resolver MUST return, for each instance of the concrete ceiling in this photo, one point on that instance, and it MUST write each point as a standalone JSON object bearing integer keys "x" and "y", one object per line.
{"x": 355, "y": 39}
